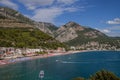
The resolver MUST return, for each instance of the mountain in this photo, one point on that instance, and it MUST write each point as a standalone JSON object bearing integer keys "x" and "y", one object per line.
{"x": 27, "y": 38}
{"x": 13, "y": 18}
{"x": 72, "y": 30}
{"x": 16, "y": 30}
{"x": 83, "y": 37}
{"x": 48, "y": 28}
{"x": 71, "y": 33}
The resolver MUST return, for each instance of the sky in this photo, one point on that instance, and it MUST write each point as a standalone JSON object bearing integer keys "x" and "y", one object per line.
{"x": 103, "y": 15}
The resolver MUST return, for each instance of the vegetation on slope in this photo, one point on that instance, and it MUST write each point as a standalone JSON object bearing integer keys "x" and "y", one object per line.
{"x": 8, "y": 13}
{"x": 27, "y": 37}
{"x": 100, "y": 38}
{"x": 101, "y": 75}
{"x": 13, "y": 19}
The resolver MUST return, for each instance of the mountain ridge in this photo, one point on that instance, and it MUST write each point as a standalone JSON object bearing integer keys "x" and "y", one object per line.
{"x": 12, "y": 18}
{"x": 72, "y": 33}
{"x": 72, "y": 30}
{"x": 19, "y": 31}
{"x": 82, "y": 37}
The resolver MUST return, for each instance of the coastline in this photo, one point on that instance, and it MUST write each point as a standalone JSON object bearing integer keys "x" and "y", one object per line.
{"x": 16, "y": 60}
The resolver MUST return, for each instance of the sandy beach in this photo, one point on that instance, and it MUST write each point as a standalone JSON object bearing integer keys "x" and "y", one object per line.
{"x": 12, "y": 61}
{"x": 15, "y": 60}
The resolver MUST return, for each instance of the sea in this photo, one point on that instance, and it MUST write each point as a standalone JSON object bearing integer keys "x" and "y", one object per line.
{"x": 64, "y": 67}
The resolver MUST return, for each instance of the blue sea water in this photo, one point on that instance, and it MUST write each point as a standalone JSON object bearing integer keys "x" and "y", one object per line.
{"x": 63, "y": 67}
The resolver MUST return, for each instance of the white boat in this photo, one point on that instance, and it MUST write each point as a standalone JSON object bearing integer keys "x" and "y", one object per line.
{"x": 41, "y": 74}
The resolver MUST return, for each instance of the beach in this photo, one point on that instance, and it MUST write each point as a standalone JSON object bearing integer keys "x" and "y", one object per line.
{"x": 15, "y": 60}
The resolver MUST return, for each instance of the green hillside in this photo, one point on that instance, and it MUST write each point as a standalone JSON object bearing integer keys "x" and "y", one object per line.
{"x": 101, "y": 40}
{"x": 91, "y": 35}
{"x": 27, "y": 37}
{"x": 87, "y": 35}
{"x": 101, "y": 75}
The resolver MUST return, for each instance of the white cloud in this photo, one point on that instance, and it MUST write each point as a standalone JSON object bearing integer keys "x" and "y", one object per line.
{"x": 111, "y": 31}
{"x": 114, "y": 34}
{"x": 70, "y": 9}
{"x": 33, "y": 4}
{"x": 106, "y": 31}
{"x": 44, "y": 10}
{"x": 114, "y": 21}
{"x": 9, "y": 4}
{"x": 47, "y": 14}
{"x": 67, "y": 2}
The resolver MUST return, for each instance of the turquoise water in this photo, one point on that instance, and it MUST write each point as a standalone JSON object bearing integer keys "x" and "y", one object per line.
{"x": 63, "y": 67}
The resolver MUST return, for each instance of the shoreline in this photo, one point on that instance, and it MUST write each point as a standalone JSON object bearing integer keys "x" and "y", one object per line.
{"x": 16, "y": 60}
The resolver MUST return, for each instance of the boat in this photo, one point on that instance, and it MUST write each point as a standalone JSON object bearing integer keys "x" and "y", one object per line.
{"x": 41, "y": 74}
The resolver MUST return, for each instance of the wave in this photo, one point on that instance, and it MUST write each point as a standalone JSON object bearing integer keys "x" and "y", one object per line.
{"x": 87, "y": 62}
{"x": 67, "y": 62}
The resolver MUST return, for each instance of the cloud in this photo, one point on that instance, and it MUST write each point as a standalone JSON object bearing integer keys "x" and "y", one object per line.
{"x": 45, "y": 10}
{"x": 9, "y": 3}
{"x": 114, "y": 34}
{"x": 33, "y": 4}
{"x": 114, "y": 27}
{"x": 114, "y": 21}
{"x": 113, "y": 31}
{"x": 67, "y": 2}
{"x": 106, "y": 31}
{"x": 70, "y": 9}
{"x": 47, "y": 14}
{"x": 49, "y": 10}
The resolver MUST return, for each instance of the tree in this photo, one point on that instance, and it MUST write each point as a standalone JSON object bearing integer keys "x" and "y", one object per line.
{"x": 101, "y": 75}
{"x": 104, "y": 75}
